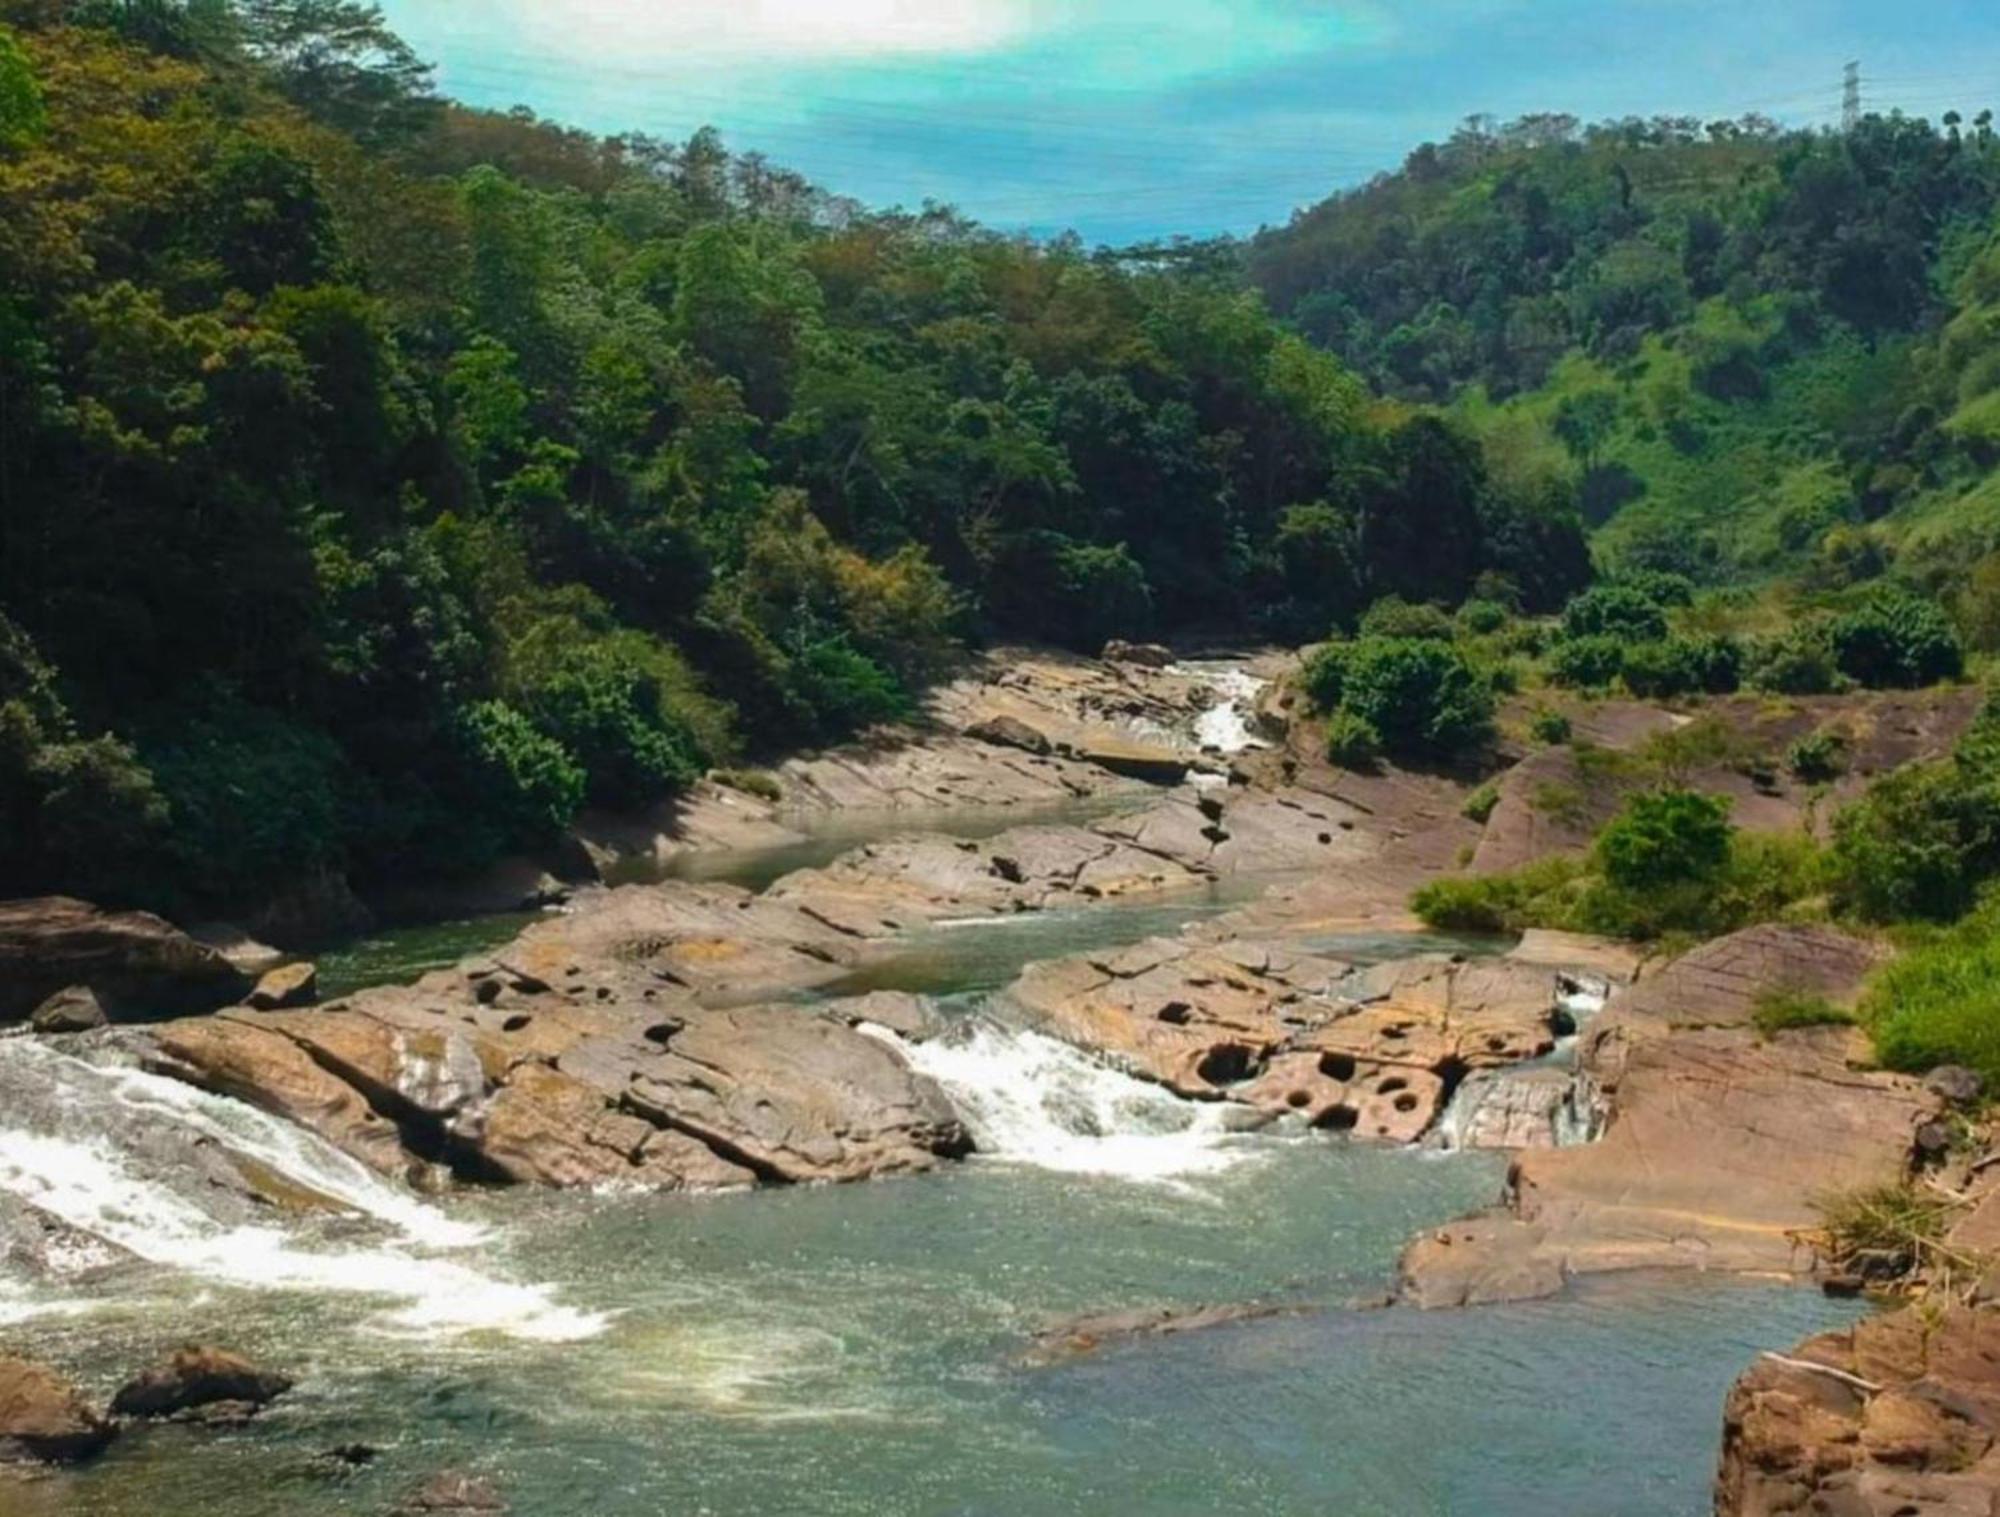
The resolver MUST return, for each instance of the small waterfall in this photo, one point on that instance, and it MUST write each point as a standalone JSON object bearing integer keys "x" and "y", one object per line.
{"x": 1226, "y": 726}
{"x": 1032, "y": 1100}
{"x": 1542, "y": 1104}
{"x": 144, "y": 1165}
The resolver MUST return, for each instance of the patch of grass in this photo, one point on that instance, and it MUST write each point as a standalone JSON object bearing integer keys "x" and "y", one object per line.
{"x": 1562, "y": 803}
{"x": 1780, "y": 1008}
{"x": 1479, "y": 805}
{"x": 1527, "y": 897}
{"x": 1940, "y": 1002}
{"x": 1901, "y": 1224}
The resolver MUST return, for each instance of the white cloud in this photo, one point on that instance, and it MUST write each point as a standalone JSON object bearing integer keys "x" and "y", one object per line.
{"x": 774, "y": 30}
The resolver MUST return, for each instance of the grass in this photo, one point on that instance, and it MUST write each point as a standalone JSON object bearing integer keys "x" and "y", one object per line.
{"x": 1780, "y": 1008}
{"x": 1900, "y": 1221}
{"x": 1939, "y": 1003}
{"x": 1479, "y": 805}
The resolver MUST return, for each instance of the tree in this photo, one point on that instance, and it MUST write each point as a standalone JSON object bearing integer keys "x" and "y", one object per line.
{"x": 22, "y": 114}
{"x": 1420, "y": 697}
{"x": 339, "y": 61}
{"x": 1665, "y": 838}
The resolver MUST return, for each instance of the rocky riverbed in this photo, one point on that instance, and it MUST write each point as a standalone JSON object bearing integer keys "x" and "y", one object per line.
{"x": 688, "y": 1036}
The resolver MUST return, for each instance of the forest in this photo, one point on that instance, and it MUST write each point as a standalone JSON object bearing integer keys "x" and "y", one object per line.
{"x": 383, "y": 482}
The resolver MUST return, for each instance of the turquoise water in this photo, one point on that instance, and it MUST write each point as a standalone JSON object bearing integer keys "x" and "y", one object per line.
{"x": 852, "y": 1351}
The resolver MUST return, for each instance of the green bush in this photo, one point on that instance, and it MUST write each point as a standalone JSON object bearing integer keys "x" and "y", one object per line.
{"x": 1664, "y": 838}
{"x": 1897, "y": 640}
{"x": 1779, "y": 1008}
{"x": 1684, "y": 666}
{"x": 1537, "y": 895}
{"x": 1392, "y": 616}
{"x": 1482, "y": 618}
{"x": 1422, "y": 697}
{"x": 1587, "y": 663}
{"x": 1352, "y": 741}
{"x": 1551, "y": 727}
{"x": 1659, "y": 586}
{"x": 845, "y": 689}
{"x": 1940, "y": 1003}
{"x": 1818, "y": 757}
{"x": 1479, "y": 805}
{"x": 1918, "y": 845}
{"x": 1615, "y": 610}
{"x": 1799, "y": 662}
{"x": 1324, "y": 677}
{"x": 527, "y": 783}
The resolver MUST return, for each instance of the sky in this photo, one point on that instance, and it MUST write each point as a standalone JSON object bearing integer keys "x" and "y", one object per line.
{"x": 1131, "y": 119}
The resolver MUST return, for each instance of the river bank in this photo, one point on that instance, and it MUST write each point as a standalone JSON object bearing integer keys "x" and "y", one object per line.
{"x": 1180, "y": 1062}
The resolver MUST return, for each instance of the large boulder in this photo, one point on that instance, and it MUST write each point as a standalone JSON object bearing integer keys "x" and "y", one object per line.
{"x": 1897, "y": 1416}
{"x": 285, "y": 987}
{"x": 195, "y": 1378}
{"x": 76, "y": 1009}
{"x": 137, "y": 964}
{"x": 1002, "y": 731}
{"x": 44, "y": 1419}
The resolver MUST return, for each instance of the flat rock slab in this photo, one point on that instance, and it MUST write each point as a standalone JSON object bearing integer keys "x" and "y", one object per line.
{"x": 1897, "y": 1416}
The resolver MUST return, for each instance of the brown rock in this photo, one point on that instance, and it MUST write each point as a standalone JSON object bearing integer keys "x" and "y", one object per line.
{"x": 44, "y": 1419}
{"x": 1009, "y": 732}
{"x": 288, "y": 986}
{"x": 1146, "y": 655}
{"x": 197, "y": 1377}
{"x": 453, "y": 1494}
{"x": 1135, "y": 760}
{"x": 76, "y": 1009}
{"x": 1079, "y": 1336}
{"x": 132, "y": 960}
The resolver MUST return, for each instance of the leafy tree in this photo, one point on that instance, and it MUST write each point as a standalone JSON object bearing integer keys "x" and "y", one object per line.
{"x": 22, "y": 114}
{"x": 1665, "y": 838}
{"x": 1896, "y": 639}
{"x": 1421, "y": 697}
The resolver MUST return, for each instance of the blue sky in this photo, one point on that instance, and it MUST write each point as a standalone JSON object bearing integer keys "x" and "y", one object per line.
{"x": 1127, "y": 119}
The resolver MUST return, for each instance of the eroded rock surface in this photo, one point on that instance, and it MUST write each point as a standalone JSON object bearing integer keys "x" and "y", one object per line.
{"x": 1716, "y": 1141}
{"x": 1894, "y": 1417}
{"x": 44, "y": 1419}
{"x": 134, "y": 962}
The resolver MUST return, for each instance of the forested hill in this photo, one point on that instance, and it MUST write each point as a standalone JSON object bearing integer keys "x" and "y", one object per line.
{"x": 382, "y": 481}
{"x": 1756, "y": 349}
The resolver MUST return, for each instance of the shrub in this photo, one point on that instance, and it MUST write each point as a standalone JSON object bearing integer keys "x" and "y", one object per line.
{"x": 528, "y": 784}
{"x": 1392, "y": 616}
{"x": 1324, "y": 677}
{"x": 1918, "y": 845}
{"x": 1615, "y": 610}
{"x": 1684, "y": 666}
{"x": 1940, "y": 1003}
{"x": 1897, "y": 640}
{"x": 1818, "y": 757}
{"x": 1352, "y": 741}
{"x": 1482, "y": 618}
{"x": 1551, "y": 727}
{"x": 1587, "y": 663}
{"x": 1780, "y": 1007}
{"x": 1479, "y": 805}
{"x": 1799, "y": 662}
{"x": 1537, "y": 895}
{"x": 1421, "y": 697}
{"x": 1665, "y": 837}
{"x": 1659, "y": 586}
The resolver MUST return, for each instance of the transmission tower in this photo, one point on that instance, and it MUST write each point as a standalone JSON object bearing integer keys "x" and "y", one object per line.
{"x": 1850, "y": 98}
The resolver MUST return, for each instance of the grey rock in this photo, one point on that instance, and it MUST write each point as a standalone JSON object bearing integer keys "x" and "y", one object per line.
{"x": 76, "y": 1009}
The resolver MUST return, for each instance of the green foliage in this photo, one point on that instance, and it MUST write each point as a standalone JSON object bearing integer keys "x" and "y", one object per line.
{"x": 755, "y": 782}
{"x": 1819, "y": 757}
{"x": 1422, "y": 697}
{"x": 1352, "y": 741}
{"x": 1538, "y": 894}
{"x": 1939, "y": 1003}
{"x": 1482, "y": 618}
{"x": 1550, "y": 727}
{"x": 527, "y": 783}
{"x": 1665, "y": 837}
{"x": 1323, "y": 677}
{"x": 1799, "y": 661}
{"x": 1896, "y": 640}
{"x": 23, "y": 116}
{"x": 1587, "y": 663}
{"x": 1479, "y": 805}
{"x": 1392, "y": 616}
{"x": 1684, "y": 666}
{"x": 1620, "y": 610}
{"x": 1780, "y": 1008}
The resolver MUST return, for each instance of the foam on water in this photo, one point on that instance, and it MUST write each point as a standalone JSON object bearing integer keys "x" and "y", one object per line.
{"x": 1029, "y": 1099}
{"x": 1225, "y": 726}
{"x": 72, "y": 1168}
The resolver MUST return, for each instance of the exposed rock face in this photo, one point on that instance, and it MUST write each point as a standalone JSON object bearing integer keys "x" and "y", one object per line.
{"x": 136, "y": 963}
{"x": 1009, "y": 732}
{"x": 1376, "y": 1053}
{"x": 453, "y": 1494}
{"x": 194, "y": 1378}
{"x": 76, "y": 1009}
{"x": 1904, "y": 1426}
{"x": 43, "y": 1418}
{"x": 1717, "y": 1140}
{"x": 284, "y": 988}
{"x": 600, "y": 1072}
{"x": 1146, "y": 655}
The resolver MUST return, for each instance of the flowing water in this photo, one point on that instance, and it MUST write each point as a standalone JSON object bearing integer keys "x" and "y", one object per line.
{"x": 854, "y": 1351}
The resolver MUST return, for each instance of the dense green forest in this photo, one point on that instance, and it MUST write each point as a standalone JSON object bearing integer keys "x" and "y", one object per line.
{"x": 1754, "y": 350}
{"x": 383, "y": 481}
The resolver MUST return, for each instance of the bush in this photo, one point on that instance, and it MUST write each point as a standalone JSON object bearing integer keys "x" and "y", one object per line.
{"x": 1587, "y": 663}
{"x": 1540, "y": 894}
{"x": 1918, "y": 845}
{"x": 1479, "y": 805}
{"x": 1392, "y": 616}
{"x": 1352, "y": 741}
{"x": 1818, "y": 757}
{"x": 1659, "y": 586}
{"x": 1898, "y": 641}
{"x": 1663, "y": 838}
{"x": 528, "y": 784}
{"x": 1940, "y": 1004}
{"x": 1684, "y": 666}
{"x": 1423, "y": 698}
{"x": 1800, "y": 662}
{"x": 1615, "y": 610}
{"x": 845, "y": 689}
{"x": 1324, "y": 677}
{"x": 1551, "y": 727}
{"x": 1482, "y": 618}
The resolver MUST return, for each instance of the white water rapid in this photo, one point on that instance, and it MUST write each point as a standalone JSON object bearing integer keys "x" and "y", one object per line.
{"x": 1226, "y": 725}
{"x": 128, "y": 1159}
{"x": 1543, "y": 1104}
